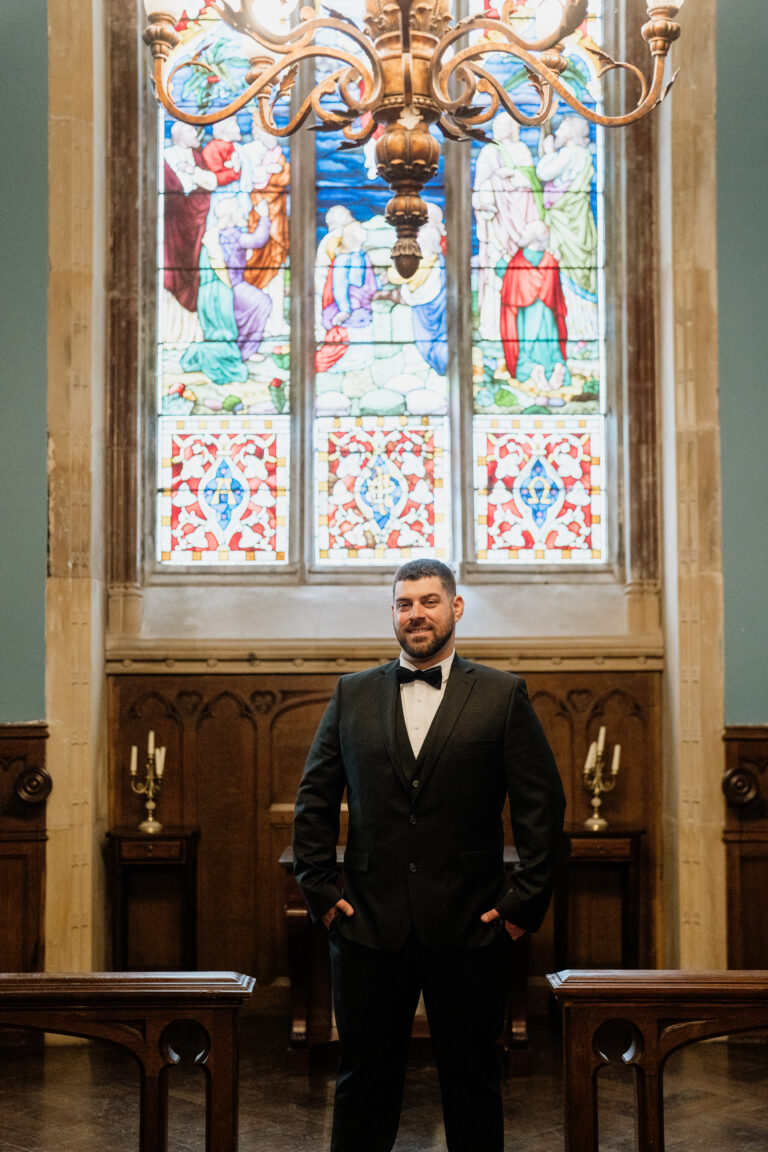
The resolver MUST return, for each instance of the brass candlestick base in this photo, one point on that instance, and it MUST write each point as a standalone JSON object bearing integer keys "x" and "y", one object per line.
{"x": 149, "y": 787}
{"x": 596, "y": 783}
{"x": 150, "y": 824}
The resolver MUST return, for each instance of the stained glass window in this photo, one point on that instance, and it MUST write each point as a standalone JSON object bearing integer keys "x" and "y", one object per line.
{"x": 378, "y": 485}
{"x": 381, "y": 353}
{"x": 538, "y": 354}
{"x": 223, "y": 331}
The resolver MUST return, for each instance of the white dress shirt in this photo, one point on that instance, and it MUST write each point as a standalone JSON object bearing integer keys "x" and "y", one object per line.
{"x": 421, "y": 701}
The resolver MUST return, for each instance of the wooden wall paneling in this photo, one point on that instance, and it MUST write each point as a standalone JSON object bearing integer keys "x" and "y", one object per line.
{"x": 292, "y": 724}
{"x": 745, "y": 785}
{"x": 236, "y": 748}
{"x": 226, "y": 772}
{"x": 572, "y": 707}
{"x": 24, "y": 788}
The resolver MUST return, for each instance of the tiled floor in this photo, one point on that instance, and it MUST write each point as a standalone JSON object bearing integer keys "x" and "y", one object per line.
{"x": 84, "y": 1098}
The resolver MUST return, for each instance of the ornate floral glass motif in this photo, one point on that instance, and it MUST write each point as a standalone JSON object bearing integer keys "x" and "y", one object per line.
{"x": 537, "y": 284}
{"x": 381, "y": 341}
{"x": 382, "y": 490}
{"x": 539, "y": 489}
{"x": 223, "y": 279}
{"x": 223, "y": 491}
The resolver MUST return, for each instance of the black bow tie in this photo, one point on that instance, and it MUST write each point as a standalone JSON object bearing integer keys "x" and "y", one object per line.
{"x": 432, "y": 676}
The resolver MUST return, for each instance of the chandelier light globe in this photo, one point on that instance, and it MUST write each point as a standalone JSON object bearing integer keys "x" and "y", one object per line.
{"x": 410, "y": 68}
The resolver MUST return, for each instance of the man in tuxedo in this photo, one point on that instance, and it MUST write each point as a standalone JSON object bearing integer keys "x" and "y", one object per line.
{"x": 427, "y": 747}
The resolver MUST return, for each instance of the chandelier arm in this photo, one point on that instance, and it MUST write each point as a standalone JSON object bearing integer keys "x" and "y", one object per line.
{"x": 264, "y": 82}
{"x": 336, "y": 120}
{"x": 247, "y": 24}
{"x": 649, "y": 97}
{"x": 497, "y": 27}
{"x": 405, "y": 41}
{"x": 625, "y": 66}
{"x": 363, "y": 135}
{"x": 440, "y": 72}
{"x": 574, "y": 14}
{"x": 301, "y": 36}
{"x": 546, "y": 102}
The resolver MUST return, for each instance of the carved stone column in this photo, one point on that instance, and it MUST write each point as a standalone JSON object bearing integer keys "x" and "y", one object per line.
{"x": 74, "y": 598}
{"x": 694, "y": 810}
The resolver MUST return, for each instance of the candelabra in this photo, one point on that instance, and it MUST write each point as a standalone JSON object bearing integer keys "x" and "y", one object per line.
{"x": 150, "y": 786}
{"x": 405, "y": 72}
{"x": 596, "y": 783}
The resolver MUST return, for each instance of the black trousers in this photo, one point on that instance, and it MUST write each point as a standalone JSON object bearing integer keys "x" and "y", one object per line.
{"x": 375, "y": 998}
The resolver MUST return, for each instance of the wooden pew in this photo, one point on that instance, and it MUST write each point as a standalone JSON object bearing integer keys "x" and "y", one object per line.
{"x": 640, "y": 1018}
{"x": 161, "y": 1018}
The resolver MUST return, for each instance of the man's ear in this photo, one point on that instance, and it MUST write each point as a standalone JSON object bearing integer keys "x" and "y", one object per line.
{"x": 458, "y": 607}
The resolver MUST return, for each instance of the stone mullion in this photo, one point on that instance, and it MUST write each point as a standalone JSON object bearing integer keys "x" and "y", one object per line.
{"x": 694, "y": 808}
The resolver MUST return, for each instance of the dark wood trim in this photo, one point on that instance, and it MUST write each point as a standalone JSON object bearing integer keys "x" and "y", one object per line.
{"x": 745, "y": 786}
{"x": 24, "y": 788}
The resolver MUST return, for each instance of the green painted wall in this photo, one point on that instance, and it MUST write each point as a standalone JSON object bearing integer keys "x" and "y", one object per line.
{"x": 742, "y": 242}
{"x": 23, "y": 306}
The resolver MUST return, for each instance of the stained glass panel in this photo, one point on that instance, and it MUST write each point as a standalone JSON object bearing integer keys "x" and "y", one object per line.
{"x": 537, "y": 303}
{"x": 382, "y": 490}
{"x": 381, "y": 351}
{"x": 539, "y": 489}
{"x": 223, "y": 491}
{"x": 223, "y": 262}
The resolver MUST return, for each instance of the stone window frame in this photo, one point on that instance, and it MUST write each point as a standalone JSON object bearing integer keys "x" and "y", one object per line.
{"x": 632, "y": 475}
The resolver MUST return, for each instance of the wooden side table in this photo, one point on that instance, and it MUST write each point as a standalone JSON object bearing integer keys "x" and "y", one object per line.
{"x": 613, "y": 848}
{"x": 312, "y": 1027}
{"x": 154, "y": 899}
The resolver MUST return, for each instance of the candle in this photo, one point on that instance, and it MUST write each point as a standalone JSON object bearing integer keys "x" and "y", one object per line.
{"x": 600, "y": 741}
{"x": 615, "y": 761}
{"x": 151, "y": 743}
{"x": 160, "y": 763}
{"x": 589, "y": 763}
{"x": 134, "y": 759}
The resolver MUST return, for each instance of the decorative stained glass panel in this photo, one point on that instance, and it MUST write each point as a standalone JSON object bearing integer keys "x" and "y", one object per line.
{"x": 537, "y": 300}
{"x": 223, "y": 490}
{"x": 382, "y": 490}
{"x": 539, "y": 489}
{"x": 223, "y": 262}
{"x": 381, "y": 342}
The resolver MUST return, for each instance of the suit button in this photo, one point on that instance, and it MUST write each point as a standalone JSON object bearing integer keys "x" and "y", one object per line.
{"x": 411, "y": 819}
{"x": 412, "y": 867}
{"x": 415, "y": 783}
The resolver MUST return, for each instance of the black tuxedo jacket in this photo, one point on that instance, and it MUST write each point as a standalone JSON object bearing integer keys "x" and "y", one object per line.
{"x": 426, "y": 851}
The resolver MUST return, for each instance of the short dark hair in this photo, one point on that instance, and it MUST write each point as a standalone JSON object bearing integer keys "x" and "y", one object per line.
{"x": 422, "y": 569}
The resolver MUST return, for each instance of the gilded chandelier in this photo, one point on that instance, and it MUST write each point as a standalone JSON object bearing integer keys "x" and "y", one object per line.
{"x": 408, "y": 71}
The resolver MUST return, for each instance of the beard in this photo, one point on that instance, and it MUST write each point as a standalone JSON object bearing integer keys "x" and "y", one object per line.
{"x": 426, "y": 645}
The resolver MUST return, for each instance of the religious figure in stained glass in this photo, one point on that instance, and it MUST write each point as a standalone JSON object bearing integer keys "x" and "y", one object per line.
{"x": 533, "y": 317}
{"x": 507, "y": 196}
{"x": 223, "y": 327}
{"x": 538, "y": 349}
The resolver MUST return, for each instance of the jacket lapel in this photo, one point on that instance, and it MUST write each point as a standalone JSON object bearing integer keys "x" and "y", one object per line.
{"x": 461, "y": 681}
{"x": 388, "y": 694}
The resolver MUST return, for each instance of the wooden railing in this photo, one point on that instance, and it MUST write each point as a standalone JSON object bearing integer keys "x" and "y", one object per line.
{"x": 640, "y": 1018}
{"x": 161, "y": 1018}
